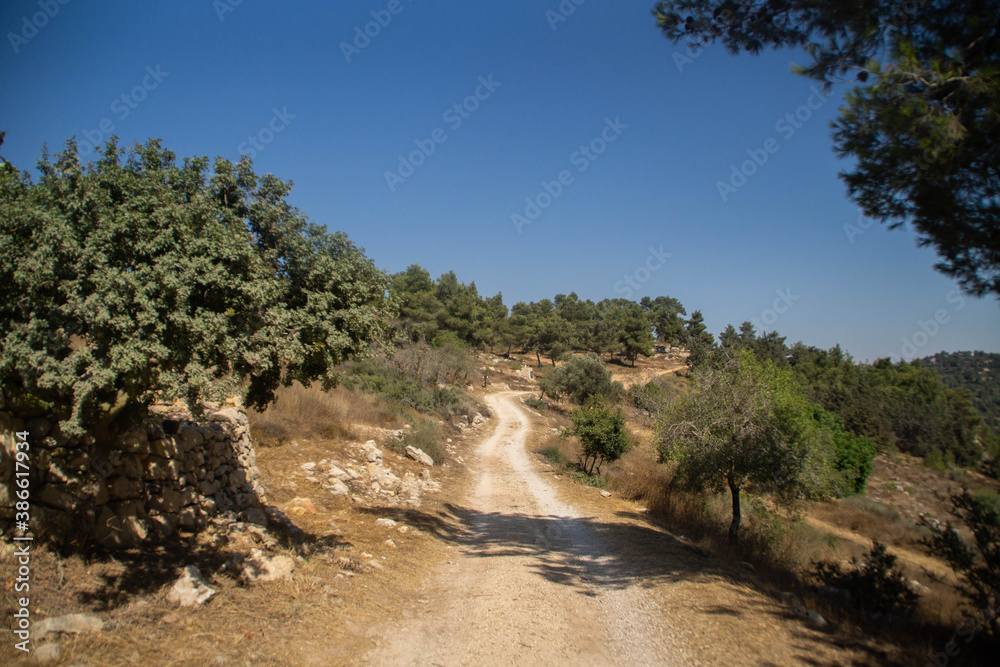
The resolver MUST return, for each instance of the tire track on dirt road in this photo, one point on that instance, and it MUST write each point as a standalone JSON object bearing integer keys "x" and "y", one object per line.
{"x": 529, "y": 583}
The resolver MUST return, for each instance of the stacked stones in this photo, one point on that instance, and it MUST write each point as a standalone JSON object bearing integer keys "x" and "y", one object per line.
{"x": 163, "y": 475}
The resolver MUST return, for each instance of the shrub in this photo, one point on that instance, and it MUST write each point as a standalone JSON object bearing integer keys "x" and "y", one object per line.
{"x": 976, "y": 564}
{"x": 580, "y": 378}
{"x": 536, "y": 403}
{"x": 874, "y": 582}
{"x": 425, "y": 436}
{"x": 554, "y": 455}
{"x": 601, "y": 430}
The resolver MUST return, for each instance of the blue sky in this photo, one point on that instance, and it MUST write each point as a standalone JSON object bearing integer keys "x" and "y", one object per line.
{"x": 641, "y": 133}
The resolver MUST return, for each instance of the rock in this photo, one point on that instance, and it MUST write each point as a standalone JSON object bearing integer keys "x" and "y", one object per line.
{"x": 300, "y": 506}
{"x": 70, "y": 624}
{"x": 385, "y": 523}
{"x": 606, "y": 494}
{"x": 338, "y": 488}
{"x": 308, "y": 467}
{"x": 813, "y": 618}
{"x": 231, "y": 415}
{"x": 256, "y": 516}
{"x": 419, "y": 456}
{"x": 340, "y": 474}
{"x": 190, "y": 590}
{"x": 374, "y": 455}
{"x": 258, "y": 567}
{"x": 55, "y": 496}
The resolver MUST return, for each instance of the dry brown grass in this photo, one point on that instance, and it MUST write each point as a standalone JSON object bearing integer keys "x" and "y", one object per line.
{"x": 333, "y": 414}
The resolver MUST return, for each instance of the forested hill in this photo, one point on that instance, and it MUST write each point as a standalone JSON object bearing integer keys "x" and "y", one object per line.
{"x": 979, "y": 372}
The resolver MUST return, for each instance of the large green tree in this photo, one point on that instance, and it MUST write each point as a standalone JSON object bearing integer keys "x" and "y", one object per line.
{"x": 138, "y": 278}
{"x": 921, "y": 119}
{"x": 732, "y": 429}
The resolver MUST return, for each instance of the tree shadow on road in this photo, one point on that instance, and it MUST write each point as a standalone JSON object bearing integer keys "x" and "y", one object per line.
{"x": 592, "y": 557}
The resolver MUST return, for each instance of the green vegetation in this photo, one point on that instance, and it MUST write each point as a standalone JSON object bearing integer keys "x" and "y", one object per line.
{"x": 536, "y": 403}
{"x": 730, "y": 431}
{"x": 979, "y": 373}
{"x": 921, "y": 122}
{"x": 136, "y": 278}
{"x": 601, "y": 430}
{"x": 425, "y": 435}
{"x": 580, "y": 378}
{"x": 977, "y": 564}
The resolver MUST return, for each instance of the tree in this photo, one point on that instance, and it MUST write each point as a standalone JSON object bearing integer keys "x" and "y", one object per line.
{"x": 727, "y": 431}
{"x": 580, "y": 378}
{"x": 136, "y": 278}
{"x": 922, "y": 120}
{"x": 665, "y": 315}
{"x": 697, "y": 340}
{"x": 602, "y": 433}
{"x": 635, "y": 333}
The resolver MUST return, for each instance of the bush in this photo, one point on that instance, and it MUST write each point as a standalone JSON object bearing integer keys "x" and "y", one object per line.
{"x": 536, "y": 403}
{"x": 425, "y": 436}
{"x": 978, "y": 564}
{"x": 580, "y": 378}
{"x": 874, "y": 582}
{"x": 554, "y": 455}
{"x": 601, "y": 430}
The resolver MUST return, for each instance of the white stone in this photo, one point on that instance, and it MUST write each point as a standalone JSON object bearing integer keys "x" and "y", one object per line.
{"x": 419, "y": 455}
{"x": 190, "y": 590}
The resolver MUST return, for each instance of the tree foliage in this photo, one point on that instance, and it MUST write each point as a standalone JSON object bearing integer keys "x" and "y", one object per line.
{"x": 601, "y": 430}
{"x": 728, "y": 431}
{"x": 580, "y": 378}
{"x": 138, "y": 278}
{"x": 921, "y": 120}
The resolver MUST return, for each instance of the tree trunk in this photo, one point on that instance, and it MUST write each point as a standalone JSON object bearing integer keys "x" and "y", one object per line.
{"x": 553, "y": 361}
{"x": 539, "y": 358}
{"x": 734, "y": 527}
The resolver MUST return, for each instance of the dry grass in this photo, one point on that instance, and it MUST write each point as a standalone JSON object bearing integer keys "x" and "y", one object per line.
{"x": 311, "y": 411}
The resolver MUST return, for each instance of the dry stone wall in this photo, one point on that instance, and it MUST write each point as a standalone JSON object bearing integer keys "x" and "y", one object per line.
{"x": 169, "y": 473}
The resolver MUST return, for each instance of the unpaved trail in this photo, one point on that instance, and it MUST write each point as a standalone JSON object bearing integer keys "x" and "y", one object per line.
{"x": 519, "y": 591}
{"x": 533, "y": 581}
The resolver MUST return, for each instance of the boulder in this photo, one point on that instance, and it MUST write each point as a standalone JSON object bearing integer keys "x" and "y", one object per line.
{"x": 190, "y": 590}
{"x": 419, "y": 455}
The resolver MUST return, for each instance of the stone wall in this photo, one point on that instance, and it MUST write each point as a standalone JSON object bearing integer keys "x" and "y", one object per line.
{"x": 166, "y": 474}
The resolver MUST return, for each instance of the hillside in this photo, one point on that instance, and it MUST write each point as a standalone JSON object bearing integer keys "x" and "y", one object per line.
{"x": 978, "y": 372}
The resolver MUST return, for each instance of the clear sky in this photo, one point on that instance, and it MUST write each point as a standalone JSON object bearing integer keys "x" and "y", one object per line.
{"x": 618, "y": 137}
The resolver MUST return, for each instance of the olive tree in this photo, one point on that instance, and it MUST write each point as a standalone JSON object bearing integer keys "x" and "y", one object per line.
{"x": 138, "y": 278}
{"x": 729, "y": 430}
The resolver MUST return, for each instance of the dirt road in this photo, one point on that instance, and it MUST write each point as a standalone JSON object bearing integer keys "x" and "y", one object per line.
{"x": 533, "y": 581}
{"x": 525, "y": 585}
